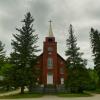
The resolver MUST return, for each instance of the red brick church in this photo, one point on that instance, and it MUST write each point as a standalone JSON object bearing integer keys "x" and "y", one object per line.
{"x": 51, "y": 64}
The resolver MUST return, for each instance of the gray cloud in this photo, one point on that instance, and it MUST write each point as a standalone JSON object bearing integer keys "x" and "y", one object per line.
{"x": 83, "y": 14}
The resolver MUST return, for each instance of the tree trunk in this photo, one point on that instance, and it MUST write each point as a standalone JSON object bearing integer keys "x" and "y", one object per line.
{"x": 30, "y": 88}
{"x": 22, "y": 89}
{"x": 7, "y": 88}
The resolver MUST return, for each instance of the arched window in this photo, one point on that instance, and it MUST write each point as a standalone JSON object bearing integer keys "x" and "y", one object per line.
{"x": 50, "y": 62}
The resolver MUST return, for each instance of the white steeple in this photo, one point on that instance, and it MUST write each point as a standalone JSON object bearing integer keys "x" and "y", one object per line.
{"x": 50, "y": 30}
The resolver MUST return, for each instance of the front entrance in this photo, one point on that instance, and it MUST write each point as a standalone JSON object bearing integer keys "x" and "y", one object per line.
{"x": 62, "y": 80}
{"x": 50, "y": 78}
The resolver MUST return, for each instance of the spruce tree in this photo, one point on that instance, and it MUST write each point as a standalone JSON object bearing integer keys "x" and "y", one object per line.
{"x": 23, "y": 56}
{"x": 2, "y": 62}
{"x": 95, "y": 45}
{"x": 2, "y": 54}
{"x": 77, "y": 72}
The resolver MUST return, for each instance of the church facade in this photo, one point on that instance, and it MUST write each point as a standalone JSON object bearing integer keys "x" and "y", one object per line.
{"x": 51, "y": 64}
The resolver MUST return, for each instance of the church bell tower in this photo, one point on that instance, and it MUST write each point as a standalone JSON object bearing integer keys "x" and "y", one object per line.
{"x": 51, "y": 64}
{"x": 50, "y": 58}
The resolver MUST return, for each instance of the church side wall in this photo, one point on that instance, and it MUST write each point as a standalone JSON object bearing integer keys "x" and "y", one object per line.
{"x": 62, "y": 73}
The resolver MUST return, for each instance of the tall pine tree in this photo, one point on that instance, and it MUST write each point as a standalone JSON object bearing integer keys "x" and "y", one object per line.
{"x": 23, "y": 56}
{"x": 95, "y": 45}
{"x": 2, "y": 62}
{"x": 2, "y": 54}
{"x": 77, "y": 73}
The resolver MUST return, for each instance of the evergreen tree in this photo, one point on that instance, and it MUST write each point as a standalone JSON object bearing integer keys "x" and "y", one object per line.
{"x": 2, "y": 57}
{"x": 95, "y": 45}
{"x": 94, "y": 79}
{"x": 23, "y": 57}
{"x": 77, "y": 72}
{"x": 6, "y": 71}
{"x": 2, "y": 54}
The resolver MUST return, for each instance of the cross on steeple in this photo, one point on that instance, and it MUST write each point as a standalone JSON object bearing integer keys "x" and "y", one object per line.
{"x": 50, "y": 21}
{"x": 50, "y": 30}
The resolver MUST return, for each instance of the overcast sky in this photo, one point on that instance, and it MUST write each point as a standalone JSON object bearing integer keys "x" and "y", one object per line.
{"x": 82, "y": 14}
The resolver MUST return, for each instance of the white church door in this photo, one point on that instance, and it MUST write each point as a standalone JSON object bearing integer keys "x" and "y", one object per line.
{"x": 50, "y": 78}
{"x": 62, "y": 80}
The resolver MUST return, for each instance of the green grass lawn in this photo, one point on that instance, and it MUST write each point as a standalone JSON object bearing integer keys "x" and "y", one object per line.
{"x": 74, "y": 95}
{"x": 25, "y": 95}
{"x": 38, "y": 95}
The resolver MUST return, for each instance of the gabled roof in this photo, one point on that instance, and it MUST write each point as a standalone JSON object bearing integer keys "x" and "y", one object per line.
{"x": 39, "y": 55}
{"x": 61, "y": 57}
{"x": 57, "y": 55}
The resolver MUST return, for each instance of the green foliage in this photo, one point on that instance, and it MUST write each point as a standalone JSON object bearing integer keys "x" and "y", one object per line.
{"x": 93, "y": 75}
{"x": 6, "y": 73}
{"x": 78, "y": 76}
{"x": 78, "y": 80}
{"x": 74, "y": 95}
{"x": 95, "y": 45}
{"x": 4, "y": 67}
{"x": 2, "y": 54}
{"x": 93, "y": 79}
{"x": 72, "y": 52}
{"x": 23, "y": 58}
{"x": 2, "y": 64}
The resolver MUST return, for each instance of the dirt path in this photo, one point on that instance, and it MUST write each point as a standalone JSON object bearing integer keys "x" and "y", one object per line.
{"x": 12, "y": 92}
{"x": 9, "y": 93}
